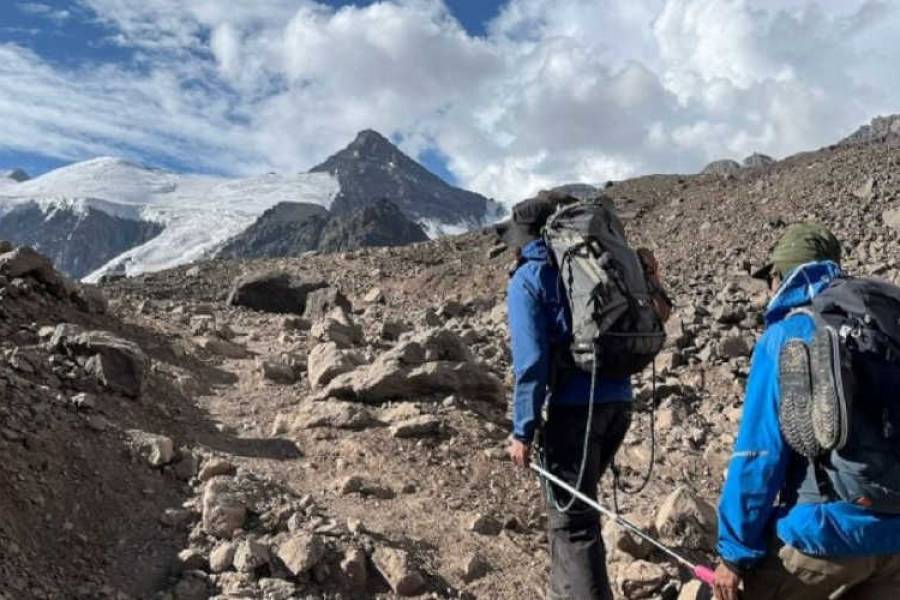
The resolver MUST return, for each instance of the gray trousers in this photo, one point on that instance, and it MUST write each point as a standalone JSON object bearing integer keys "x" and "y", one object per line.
{"x": 578, "y": 558}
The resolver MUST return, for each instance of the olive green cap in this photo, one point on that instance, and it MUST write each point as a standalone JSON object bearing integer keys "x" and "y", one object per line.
{"x": 801, "y": 243}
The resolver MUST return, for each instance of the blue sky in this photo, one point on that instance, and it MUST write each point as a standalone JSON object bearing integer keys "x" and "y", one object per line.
{"x": 502, "y": 97}
{"x": 67, "y": 34}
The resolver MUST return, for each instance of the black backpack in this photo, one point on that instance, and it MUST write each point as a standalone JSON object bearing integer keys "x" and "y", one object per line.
{"x": 852, "y": 437}
{"x": 616, "y": 327}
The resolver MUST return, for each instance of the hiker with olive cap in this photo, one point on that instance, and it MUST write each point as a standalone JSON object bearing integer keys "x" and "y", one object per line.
{"x": 810, "y": 508}
{"x": 588, "y": 414}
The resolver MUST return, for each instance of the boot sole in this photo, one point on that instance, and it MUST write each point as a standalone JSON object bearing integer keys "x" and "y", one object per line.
{"x": 796, "y": 388}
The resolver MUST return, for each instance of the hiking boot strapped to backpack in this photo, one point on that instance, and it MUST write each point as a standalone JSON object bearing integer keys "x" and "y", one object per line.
{"x": 839, "y": 395}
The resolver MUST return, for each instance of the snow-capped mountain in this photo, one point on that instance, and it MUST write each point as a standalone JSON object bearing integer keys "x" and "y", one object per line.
{"x": 197, "y": 213}
{"x": 109, "y": 215}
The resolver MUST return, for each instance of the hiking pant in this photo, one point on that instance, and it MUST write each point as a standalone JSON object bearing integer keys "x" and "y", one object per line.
{"x": 788, "y": 574}
{"x": 578, "y": 558}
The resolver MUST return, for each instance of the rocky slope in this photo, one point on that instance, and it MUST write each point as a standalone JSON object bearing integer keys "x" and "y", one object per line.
{"x": 351, "y": 444}
{"x": 290, "y": 229}
{"x": 372, "y": 168}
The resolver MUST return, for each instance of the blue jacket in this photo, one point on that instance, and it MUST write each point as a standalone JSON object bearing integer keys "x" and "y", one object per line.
{"x": 763, "y": 467}
{"x": 539, "y": 325}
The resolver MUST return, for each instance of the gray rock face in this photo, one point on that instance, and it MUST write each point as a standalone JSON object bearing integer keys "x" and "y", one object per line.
{"x": 118, "y": 364}
{"x": 286, "y": 229}
{"x": 880, "y": 129}
{"x": 17, "y": 175}
{"x": 721, "y": 167}
{"x": 274, "y": 292}
{"x": 295, "y": 229}
{"x": 372, "y": 168}
{"x": 76, "y": 243}
{"x": 381, "y": 223}
{"x": 757, "y": 160}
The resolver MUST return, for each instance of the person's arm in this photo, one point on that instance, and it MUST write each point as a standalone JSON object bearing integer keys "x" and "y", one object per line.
{"x": 528, "y": 328}
{"x": 758, "y": 466}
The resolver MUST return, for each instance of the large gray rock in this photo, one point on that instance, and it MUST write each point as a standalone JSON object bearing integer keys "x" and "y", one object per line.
{"x": 224, "y": 511}
{"x": 320, "y": 302}
{"x": 301, "y": 552}
{"x": 757, "y": 160}
{"x": 642, "y": 579}
{"x": 687, "y": 521}
{"x": 397, "y": 569}
{"x": 326, "y": 361}
{"x": 118, "y": 364}
{"x": 337, "y": 326}
{"x": 334, "y": 414}
{"x": 274, "y": 292}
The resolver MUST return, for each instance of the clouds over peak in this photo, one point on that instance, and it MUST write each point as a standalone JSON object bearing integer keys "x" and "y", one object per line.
{"x": 585, "y": 90}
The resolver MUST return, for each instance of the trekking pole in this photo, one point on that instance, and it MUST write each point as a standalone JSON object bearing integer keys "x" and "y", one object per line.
{"x": 701, "y": 572}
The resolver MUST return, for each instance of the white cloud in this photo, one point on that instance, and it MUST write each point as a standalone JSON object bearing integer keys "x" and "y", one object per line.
{"x": 44, "y": 10}
{"x": 583, "y": 90}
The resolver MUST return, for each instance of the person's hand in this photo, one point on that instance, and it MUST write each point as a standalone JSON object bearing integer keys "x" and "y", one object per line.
{"x": 727, "y": 583}
{"x": 519, "y": 452}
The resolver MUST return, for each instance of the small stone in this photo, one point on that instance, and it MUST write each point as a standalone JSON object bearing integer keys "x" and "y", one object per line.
{"x": 397, "y": 569}
{"x": 474, "y": 567}
{"x": 485, "y": 525}
{"x": 354, "y": 569}
{"x": 301, "y": 552}
{"x": 215, "y": 467}
{"x": 417, "y": 427}
{"x": 249, "y": 556}
{"x": 222, "y": 557}
{"x": 374, "y": 296}
{"x": 192, "y": 559}
{"x": 642, "y": 579}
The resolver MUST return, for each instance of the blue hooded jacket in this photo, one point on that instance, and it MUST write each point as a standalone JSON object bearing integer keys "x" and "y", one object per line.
{"x": 539, "y": 325}
{"x": 763, "y": 467}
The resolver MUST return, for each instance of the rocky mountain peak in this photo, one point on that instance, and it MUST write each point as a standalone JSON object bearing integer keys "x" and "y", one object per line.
{"x": 369, "y": 142}
{"x": 372, "y": 168}
{"x": 17, "y": 175}
{"x": 880, "y": 129}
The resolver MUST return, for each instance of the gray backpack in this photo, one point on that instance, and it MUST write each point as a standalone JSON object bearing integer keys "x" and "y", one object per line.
{"x": 849, "y": 428}
{"x": 616, "y": 328}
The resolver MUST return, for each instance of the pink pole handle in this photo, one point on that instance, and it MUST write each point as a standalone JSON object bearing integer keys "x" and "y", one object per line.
{"x": 705, "y": 574}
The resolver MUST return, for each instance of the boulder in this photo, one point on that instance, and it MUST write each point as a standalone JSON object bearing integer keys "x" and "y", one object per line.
{"x": 334, "y": 414}
{"x": 223, "y": 511}
{"x": 374, "y": 296}
{"x": 642, "y": 579}
{"x": 354, "y": 569}
{"x": 301, "y": 552}
{"x": 224, "y": 348}
{"x": 757, "y": 160}
{"x": 891, "y": 218}
{"x": 222, "y": 557}
{"x": 25, "y": 262}
{"x": 215, "y": 467}
{"x": 118, "y": 364}
{"x": 322, "y": 301}
{"x": 394, "y": 376}
{"x": 326, "y": 361}
{"x": 337, "y": 327}
{"x": 274, "y": 292}
{"x": 250, "y": 555}
{"x": 473, "y": 567}
{"x": 276, "y": 371}
{"x": 397, "y": 569}
{"x": 485, "y": 525}
{"x": 157, "y": 450}
{"x": 687, "y": 521}
{"x": 619, "y": 539}
{"x": 416, "y": 427}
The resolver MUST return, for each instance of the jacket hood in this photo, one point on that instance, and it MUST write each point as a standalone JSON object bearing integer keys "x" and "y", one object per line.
{"x": 800, "y": 287}
{"x": 536, "y": 250}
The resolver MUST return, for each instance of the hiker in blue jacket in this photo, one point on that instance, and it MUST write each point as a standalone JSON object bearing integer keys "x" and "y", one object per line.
{"x": 539, "y": 326}
{"x": 776, "y": 545}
